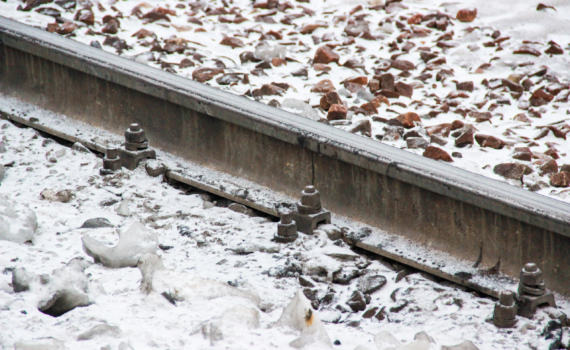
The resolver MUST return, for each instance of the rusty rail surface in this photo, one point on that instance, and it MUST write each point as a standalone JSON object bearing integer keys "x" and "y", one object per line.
{"x": 434, "y": 205}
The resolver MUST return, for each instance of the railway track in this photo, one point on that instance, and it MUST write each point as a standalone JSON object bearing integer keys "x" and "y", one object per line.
{"x": 443, "y": 220}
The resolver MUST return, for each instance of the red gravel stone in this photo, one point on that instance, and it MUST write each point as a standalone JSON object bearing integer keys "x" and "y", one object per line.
{"x": 323, "y": 86}
{"x": 466, "y": 15}
{"x": 329, "y": 99}
{"x": 337, "y": 112}
{"x": 437, "y": 153}
{"x": 514, "y": 171}
{"x": 233, "y": 42}
{"x": 561, "y": 179}
{"x": 325, "y": 55}
{"x": 402, "y": 65}
{"x": 408, "y": 119}
{"x": 489, "y": 141}
{"x": 404, "y": 89}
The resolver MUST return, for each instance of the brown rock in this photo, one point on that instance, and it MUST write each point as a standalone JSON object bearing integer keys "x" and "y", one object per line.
{"x": 514, "y": 171}
{"x": 465, "y": 139}
{"x": 204, "y": 74}
{"x": 561, "y": 179}
{"x": 437, "y": 153}
{"x": 363, "y": 126}
{"x": 278, "y": 62}
{"x": 466, "y": 15}
{"x": 521, "y": 117}
{"x": 402, "y": 65}
{"x": 67, "y": 28}
{"x": 481, "y": 117}
{"x": 310, "y": 28}
{"x": 523, "y": 153}
{"x": 323, "y": 86}
{"x": 378, "y": 100}
{"x": 550, "y": 167}
{"x": 489, "y": 141}
{"x": 328, "y": 99}
{"x": 388, "y": 93}
{"x": 554, "y": 49}
{"x": 357, "y": 80}
{"x": 465, "y": 86}
{"x": 415, "y": 19}
{"x": 319, "y": 67}
{"x": 271, "y": 90}
{"x": 565, "y": 167}
{"x": 440, "y": 129}
{"x": 86, "y": 16}
{"x": 540, "y": 93}
{"x": 457, "y": 124}
{"x": 112, "y": 27}
{"x": 185, "y": 63}
{"x": 387, "y": 82}
{"x": 144, "y": 33}
{"x": 337, "y": 112}
{"x": 325, "y": 55}
{"x": 527, "y": 50}
{"x": 512, "y": 85}
{"x": 404, "y": 89}
{"x": 374, "y": 85}
{"x": 408, "y": 119}
{"x": 543, "y": 7}
{"x": 233, "y": 42}
{"x": 52, "y": 27}
{"x": 369, "y": 108}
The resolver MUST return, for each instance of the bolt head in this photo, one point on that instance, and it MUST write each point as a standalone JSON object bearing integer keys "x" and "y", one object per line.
{"x": 531, "y": 267}
{"x": 531, "y": 275}
{"x": 507, "y": 298}
{"x": 310, "y": 189}
{"x": 112, "y": 153}
{"x": 135, "y": 127}
{"x": 286, "y": 216}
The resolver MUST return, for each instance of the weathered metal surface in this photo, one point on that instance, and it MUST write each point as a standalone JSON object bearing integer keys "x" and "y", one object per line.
{"x": 434, "y": 204}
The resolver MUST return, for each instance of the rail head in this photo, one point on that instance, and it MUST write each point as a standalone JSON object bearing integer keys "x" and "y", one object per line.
{"x": 537, "y": 210}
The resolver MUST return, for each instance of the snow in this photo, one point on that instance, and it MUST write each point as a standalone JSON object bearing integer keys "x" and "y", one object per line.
{"x": 216, "y": 265}
{"x": 18, "y": 223}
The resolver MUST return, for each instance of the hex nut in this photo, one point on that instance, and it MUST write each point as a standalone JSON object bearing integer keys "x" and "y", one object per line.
{"x": 531, "y": 275}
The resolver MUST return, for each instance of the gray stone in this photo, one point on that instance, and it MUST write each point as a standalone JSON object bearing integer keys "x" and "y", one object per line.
{"x": 2, "y": 170}
{"x": 2, "y": 147}
{"x": 154, "y": 168}
{"x": 242, "y": 209}
{"x": 80, "y": 148}
{"x": 370, "y": 283}
{"x": 416, "y": 142}
{"x": 101, "y": 329}
{"x": 332, "y": 231}
{"x": 345, "y": 275}
{"x": 60, "y": 153}
{"x": 357, "y": 301}
{"x": 21, "y": 279}
{"x": 306, "y": 282}
{"x": 96, "y": 223}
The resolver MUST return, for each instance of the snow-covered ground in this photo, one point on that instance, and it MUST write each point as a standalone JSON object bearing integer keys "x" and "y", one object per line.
{"x": 479, "y": 126}
{"x": 225, "y": 283}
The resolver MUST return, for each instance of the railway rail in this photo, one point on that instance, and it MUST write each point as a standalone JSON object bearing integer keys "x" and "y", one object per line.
{"x": 422, "y": 212}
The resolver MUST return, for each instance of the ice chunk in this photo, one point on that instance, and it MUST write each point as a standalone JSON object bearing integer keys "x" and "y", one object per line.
{"x": 123, "y": 208}
{"x": 266, "y": 52}
{"x": 40, "y": 344}
{"x": 300, "y": 316}
{"x": 18, "y": 223}
{"x": 133, "y": 244}
{"x": 101, "y": 329}
{"x": 234, "y": 323}
{"x": 301, "y": 108}
{"x": 386, "y": 341}
{"x": 184, "y": 286}
{"x": 62, "y": 291}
